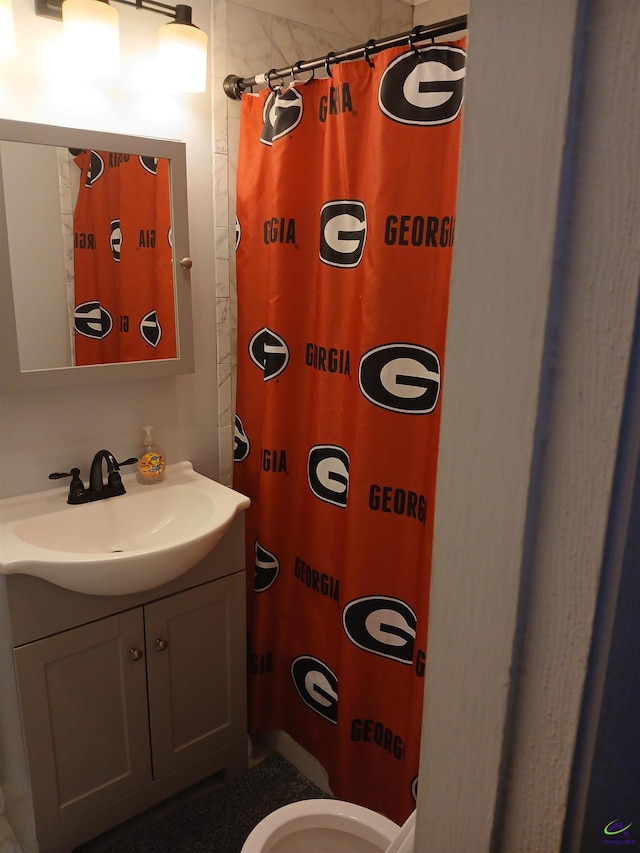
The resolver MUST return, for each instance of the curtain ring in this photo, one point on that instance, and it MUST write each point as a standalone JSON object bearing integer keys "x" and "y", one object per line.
{"x": 415, "y": 32}
{"x": 295, "y": 69}
{"x": 366, "y": 49}
{"x": 267, "y": 77}
{"x": 327, "y": 63}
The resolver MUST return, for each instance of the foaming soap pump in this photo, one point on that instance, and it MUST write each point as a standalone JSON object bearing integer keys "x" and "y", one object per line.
{"x": 152, "y": 462}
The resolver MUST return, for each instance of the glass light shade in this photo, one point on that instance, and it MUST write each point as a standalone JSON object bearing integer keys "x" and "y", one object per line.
{"x": 7, "y": 33}
{"x": 91, "y": 38}
{"x": 182, "y": 56}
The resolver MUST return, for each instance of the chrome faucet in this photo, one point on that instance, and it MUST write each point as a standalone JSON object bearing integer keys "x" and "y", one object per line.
{"x": 98, "y": 489}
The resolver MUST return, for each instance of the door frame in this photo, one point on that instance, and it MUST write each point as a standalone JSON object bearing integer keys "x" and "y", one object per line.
{"x": 543, "y": 299}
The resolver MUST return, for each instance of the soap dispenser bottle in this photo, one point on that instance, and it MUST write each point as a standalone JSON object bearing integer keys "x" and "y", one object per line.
{"x": 152, "y": 462}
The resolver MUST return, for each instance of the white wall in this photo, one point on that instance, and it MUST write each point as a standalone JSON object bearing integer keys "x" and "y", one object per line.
{"x": 38, "y": 276}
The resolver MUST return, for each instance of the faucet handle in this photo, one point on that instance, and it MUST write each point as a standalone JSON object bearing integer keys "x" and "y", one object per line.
{"x": 129, "y": 461}
{"x": 114, "y": 476}
{"x": 76, "y": 486}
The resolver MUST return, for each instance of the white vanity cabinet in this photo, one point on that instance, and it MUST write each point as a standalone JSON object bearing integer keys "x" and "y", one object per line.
{"x": 83, "y": 710}
{"x": 132, "y": 700}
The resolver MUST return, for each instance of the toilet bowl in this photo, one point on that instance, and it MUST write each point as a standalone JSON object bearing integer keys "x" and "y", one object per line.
{"x": 329, "y": 826}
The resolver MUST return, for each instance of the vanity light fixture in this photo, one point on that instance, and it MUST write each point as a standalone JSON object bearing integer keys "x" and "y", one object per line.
{"x": 7, "y": 35}
{"x": 182, "y": 51}
{"x": 91, "y": 38}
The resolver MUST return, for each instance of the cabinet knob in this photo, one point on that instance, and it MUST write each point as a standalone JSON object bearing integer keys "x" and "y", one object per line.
{"x": 161, "y": 645}
{"x": 135, "y": 654}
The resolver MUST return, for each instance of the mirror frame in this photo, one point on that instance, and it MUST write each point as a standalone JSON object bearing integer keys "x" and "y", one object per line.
{"x": 11, "y": 377}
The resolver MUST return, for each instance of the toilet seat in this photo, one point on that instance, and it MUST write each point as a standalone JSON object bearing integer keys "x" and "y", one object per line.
{"x": 403, "y": 842}
{"x": 290, "y": 829}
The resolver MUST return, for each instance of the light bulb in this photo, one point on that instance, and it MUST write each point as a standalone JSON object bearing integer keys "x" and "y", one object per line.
{"x": 182, "y": 53}
{"x": 91, "y": 38}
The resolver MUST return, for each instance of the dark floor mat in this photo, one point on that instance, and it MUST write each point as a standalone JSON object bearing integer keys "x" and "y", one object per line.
{"x": 220, "y": 820}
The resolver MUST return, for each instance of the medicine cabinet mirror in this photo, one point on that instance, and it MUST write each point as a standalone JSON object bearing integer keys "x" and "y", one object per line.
{"x": 95, "y": 282}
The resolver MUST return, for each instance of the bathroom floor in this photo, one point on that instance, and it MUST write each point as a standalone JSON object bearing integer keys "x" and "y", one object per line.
{"x": 209, "y": 816}
{"x": 8, "y": 843}
{"x": 110, "y": 838}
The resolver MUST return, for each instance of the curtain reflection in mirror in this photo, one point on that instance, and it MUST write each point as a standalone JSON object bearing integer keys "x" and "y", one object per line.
{"x": 123, "y": 289}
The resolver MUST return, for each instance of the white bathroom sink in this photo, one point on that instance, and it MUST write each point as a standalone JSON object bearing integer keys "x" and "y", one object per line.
{"x": 121, "y": 545}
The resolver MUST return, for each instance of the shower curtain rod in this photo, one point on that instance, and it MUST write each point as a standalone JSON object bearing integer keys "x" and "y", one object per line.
{"x": 234, "y": 86}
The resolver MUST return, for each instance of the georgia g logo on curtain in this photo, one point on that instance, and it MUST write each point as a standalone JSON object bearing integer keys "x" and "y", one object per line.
{"x": 269, "y": 352}
{"x": 282, "y": 113}
{"x": 92, "y": 320}
{"x": 425, "y": 88}
{"x": 267, "y": 568}
{"x": 150, "y": 328}
{"x": 403, "y": 378}
{"x": 328, "y": 472}
{"x": 343, "y": 231}
{"x": 241, "y": 443}
{"x": 317, "y": 686}
{"x": 96, "y": 168}
{"x": 382, "y": 626}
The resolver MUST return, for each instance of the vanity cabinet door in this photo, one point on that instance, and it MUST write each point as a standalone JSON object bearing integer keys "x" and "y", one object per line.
{"x": 196, "y": 672}
{"x": 84, "y": 710}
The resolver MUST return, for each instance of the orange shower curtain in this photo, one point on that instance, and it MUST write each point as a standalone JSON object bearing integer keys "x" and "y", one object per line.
{"x": 345, "y": 226}
{"x": 123, "y": 271}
